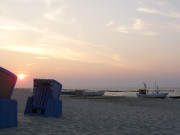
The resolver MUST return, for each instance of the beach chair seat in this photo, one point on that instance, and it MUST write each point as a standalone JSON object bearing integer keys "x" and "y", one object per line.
{"x": 8, "y": 107}
{"x": 45, "y": 100}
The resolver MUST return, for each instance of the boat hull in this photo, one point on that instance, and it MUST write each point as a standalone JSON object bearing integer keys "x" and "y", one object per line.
{"x": 93, "y": 93}
{"x": 69, "y": 92}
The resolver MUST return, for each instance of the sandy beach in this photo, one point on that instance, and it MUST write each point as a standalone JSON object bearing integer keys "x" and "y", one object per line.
{"x": 105, "y": 116}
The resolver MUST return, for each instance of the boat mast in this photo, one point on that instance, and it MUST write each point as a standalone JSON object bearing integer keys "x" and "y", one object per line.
{"x": 157, "y": 88}
{"x": 145, "y": 86}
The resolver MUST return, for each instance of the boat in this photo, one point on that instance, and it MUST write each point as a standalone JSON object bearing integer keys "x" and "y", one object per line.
{"x": 93, "y": 93}
{"x": 68, "y": 92}
{"x": 144, "y": 93}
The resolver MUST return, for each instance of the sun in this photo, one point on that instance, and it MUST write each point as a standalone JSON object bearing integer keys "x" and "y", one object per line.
{"x": 21, "y": 76}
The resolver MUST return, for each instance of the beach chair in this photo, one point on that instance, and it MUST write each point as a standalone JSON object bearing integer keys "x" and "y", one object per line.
{"x": 8, "y": 106}
{"x": 45, "y": 100}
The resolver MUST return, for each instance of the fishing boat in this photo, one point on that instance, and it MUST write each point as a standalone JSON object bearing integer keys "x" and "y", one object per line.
{"x": 68, "y": 92}
{"x": 144, "y": 93}
{"x": 93, "y": 93}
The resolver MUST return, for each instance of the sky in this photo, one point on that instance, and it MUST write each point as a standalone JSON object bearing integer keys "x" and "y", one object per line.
{"x": 92, "y": 43}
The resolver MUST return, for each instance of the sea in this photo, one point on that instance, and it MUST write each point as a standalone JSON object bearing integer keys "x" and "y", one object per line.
{"x": 172, "y": 92}
{"x": 131, "y": 92}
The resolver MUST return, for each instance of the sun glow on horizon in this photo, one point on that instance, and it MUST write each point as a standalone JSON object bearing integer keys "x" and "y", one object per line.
{"x": 21, "y": 76}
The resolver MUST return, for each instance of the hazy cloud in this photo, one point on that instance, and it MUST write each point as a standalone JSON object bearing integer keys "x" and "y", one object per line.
{"x": 110, "y": 23}
{"x": 13, "y": 25}
{"x": 176, "y": 26}
{"x": 152, "y": 2}
{"x": 43, "y": 58}
{"x": 20, "y": 1}
{"x": 55, "y": 14}
{"x": 85, "y": 52}
{"x": 123, "y": 29}
{"x": 150, "y": 33}
{"x": 160, "y": 7}
{"x": 57, "y": 11}
{"x": 136, "y": 26}
{"x": 172, "y": 14}
{"x": 49, "y": 2}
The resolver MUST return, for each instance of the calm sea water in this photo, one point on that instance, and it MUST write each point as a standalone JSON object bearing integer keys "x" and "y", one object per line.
{"x": 131, "y": 92}
{"x": 126, "y": 92}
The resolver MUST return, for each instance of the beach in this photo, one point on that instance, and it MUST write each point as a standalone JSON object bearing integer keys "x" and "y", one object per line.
{"x": 101, "y": 116}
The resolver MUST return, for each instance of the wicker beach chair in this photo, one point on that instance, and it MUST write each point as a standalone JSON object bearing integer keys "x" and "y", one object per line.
{"x": 45, "y": 100}
{"x": 8, "y": 107}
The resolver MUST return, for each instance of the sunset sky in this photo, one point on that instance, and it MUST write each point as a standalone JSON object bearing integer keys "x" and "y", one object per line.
{"x": 92, "y": 43}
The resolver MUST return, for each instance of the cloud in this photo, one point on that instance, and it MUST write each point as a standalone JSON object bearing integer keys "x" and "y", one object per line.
{"x": 171, "y": 14}
{"x": 110, "y": 23}
{"x": 159, "y": 7}
{"x": 136, "y": 26}
{"x": 55, "y": 14}
{"x": 24, "y": 49}
{"x": 152, "y": 2}
{"x": 150, "y": 33}
{"x": 69, "y": 49}
{"x": 30, "y": 65}
{"x": 118, "y": 60}
{"x": 176, "y": 26}
{"x": 43, "y": 58}
{"x": 123, "y": 29}
{"x": 59, "y": 13}
{"x": 21, "y": 1}
{"x": 50, "y": 2}
{"x": 51, "y": 44}
{"x": 8, "y": 24}
{"x": 59, "y": 53}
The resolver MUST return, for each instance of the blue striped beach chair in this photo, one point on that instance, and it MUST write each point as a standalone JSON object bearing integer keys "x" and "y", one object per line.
{"x": 8, "y": 106}
{"x": 45, "y": 100}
